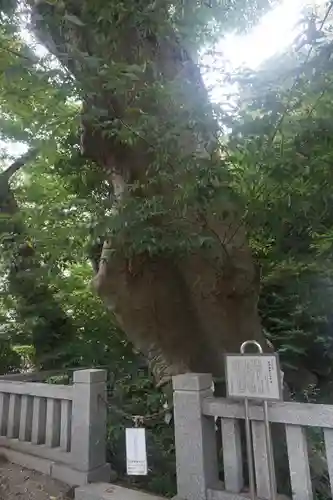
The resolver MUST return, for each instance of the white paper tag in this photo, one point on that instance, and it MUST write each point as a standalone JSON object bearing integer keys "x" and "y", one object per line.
{"x": 254, "y": 376}
{"x": 136, "y": 454}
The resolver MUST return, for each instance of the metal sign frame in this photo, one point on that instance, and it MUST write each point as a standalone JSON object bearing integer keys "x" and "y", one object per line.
{"x": 248, "y": 430}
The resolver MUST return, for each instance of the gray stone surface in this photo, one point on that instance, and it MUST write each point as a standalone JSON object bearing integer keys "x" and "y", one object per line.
{"x": 103, "y": 491}
{"x": 88, "y": 439}
{"x": 232, "y": 455}
{"x": 192, "y": 382}
{"x": 221, "y": 494}
{"x": 53, "y": 420}
{"x": 37, "y": 389}
{"x": 4, "y": 407}
{"x": 195, "y": 410}
{"x": 57, "y": 430}
{"x": 38, "y": 421}
{"x": 196, "y": 451}
{"x": 42, "y": 451}
{"x": 67, "y": 475}
{"x": 58, "y": 471}
{"x": 312, "y": 414}
{"x": 299, "y": 463}
{"x": 79, "y": 478}
{"x": 26, "y": 418}
{"x": 89, "y": 376}
{"x": 261, "y": 460}
{"x": 14, "y": 416}
{"x": 328, "y": 436}
{"x": 65, "y": 425}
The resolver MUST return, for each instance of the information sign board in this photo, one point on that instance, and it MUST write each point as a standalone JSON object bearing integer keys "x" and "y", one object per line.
{"x": 253, "y": 376}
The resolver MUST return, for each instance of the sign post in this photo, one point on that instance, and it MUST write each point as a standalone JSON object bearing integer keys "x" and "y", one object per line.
{"x": 255, "y": 377}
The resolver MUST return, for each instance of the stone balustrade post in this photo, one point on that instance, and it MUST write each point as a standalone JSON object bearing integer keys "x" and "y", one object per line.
{"x": 195, "y": 437}
{"x": 89, "y": 417}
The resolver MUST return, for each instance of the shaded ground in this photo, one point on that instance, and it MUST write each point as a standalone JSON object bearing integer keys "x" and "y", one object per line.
{"x": 17, "y": 483}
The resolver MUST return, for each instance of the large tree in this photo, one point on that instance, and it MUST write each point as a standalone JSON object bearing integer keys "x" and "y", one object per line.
{"x": 173, "y": 262}
{"x": 175, "y": 266}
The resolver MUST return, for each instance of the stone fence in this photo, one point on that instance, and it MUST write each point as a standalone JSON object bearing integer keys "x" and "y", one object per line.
{"x": 59, "y": 430}
{"x": 196, "y": 411}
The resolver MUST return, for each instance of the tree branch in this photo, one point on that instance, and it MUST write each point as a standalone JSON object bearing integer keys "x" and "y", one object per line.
{"x": 17, "y": 164}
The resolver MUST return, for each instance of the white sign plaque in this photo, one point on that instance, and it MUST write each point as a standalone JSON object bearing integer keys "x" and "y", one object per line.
{"x": 136, "y": 454}
{"x": 253, "y": 376}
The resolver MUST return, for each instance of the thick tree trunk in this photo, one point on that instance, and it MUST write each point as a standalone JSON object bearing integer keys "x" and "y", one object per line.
{"x": 183, "y": 310}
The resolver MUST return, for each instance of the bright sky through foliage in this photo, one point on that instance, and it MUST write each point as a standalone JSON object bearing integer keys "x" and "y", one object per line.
{"x": 274, "y": 33}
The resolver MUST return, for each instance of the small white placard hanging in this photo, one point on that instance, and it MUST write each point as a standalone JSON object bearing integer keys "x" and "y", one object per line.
{"x": 136, "y": 454}
{"x": 253, "y": 376}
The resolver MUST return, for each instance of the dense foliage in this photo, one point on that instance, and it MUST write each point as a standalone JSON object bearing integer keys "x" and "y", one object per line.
{"x": 281, "y": 144}
{"x": 275, "y": 161}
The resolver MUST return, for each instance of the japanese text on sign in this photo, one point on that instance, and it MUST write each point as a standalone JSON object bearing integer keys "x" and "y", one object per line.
{"x": 253, "y": 376}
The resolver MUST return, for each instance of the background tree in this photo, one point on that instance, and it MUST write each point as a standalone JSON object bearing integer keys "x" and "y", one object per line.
{"x": 286, "y": 187}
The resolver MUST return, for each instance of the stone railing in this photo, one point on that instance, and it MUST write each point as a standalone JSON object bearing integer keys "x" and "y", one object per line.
{"x": 59, "y": 430}
{"x": 196, "y": 411}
